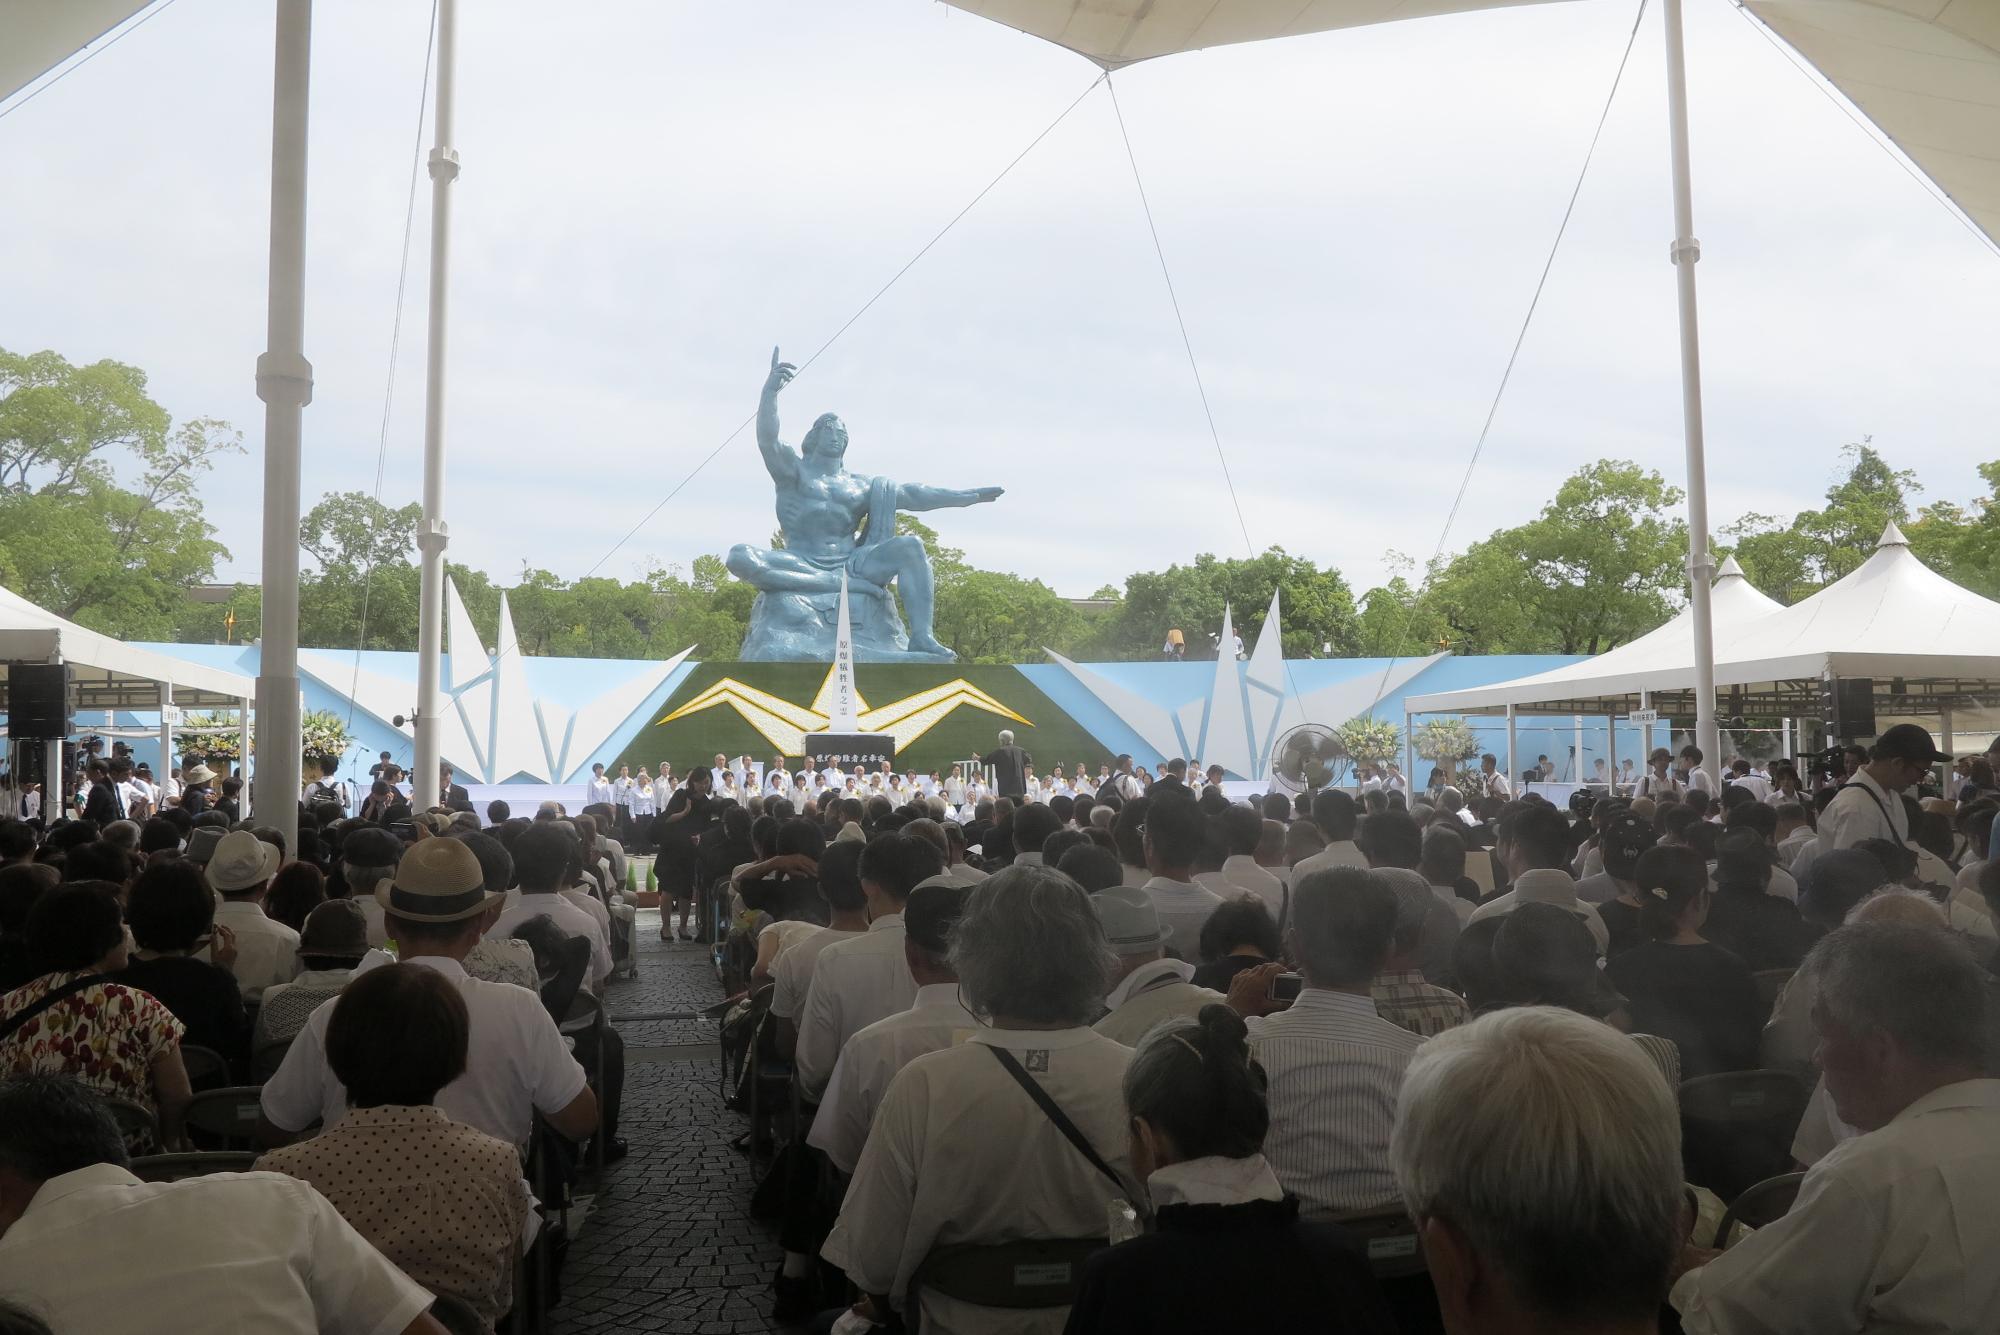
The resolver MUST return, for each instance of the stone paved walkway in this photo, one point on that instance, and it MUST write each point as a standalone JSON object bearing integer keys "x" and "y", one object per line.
{"x": 669, "y": 1244}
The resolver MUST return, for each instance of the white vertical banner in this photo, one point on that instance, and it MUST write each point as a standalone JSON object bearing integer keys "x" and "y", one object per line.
{"x": 845, "y": 715}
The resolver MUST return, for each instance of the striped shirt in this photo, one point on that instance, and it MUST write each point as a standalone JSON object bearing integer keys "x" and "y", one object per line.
{"x": 1404, "y": 999}
{"x": 1335, "y": 1067}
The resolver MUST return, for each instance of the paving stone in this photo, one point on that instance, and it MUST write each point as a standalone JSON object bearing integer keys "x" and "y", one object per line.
{"x": 669, "y": 1244}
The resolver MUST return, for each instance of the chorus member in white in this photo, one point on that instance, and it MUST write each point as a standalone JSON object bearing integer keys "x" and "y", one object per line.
{"x": 643, "y": 806}
{"x": 729, "y": 788}
{"x": 961, "y": 1153}
{"x": 1538, "y": 1153}
{"x": 663, "y": 787}
{"x": 621, "y": 792}
{"x": 1884, "y": 1235}
{"x": 1335, "y": 1065}
{"x": 598, "y": 789}
{"x": 936, "y": 1019}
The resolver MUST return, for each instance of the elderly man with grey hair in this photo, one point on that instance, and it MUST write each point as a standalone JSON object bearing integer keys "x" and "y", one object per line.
{"x": 1538, "y": 1152}
{"x": 967, "y": 1147}
{"x": 1010, "y": 767}
{"x": 1895, "y": 1229}
{"x": 1334, "y": 1063}
{"x": 369, "y": 856}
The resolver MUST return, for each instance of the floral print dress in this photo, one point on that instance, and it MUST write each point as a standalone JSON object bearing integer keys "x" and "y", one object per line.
{"x": 107, "y": 1036}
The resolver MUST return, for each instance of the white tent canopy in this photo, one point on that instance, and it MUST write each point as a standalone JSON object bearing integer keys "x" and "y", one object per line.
{"x": 1927, "y": 72}
{"x": 107, "y": 673}
{"x": 1893, "y": 618}
{"x": 38, "y": 35}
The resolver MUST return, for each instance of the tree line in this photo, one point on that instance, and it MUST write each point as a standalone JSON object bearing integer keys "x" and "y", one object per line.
{"x": 101, "y": 521}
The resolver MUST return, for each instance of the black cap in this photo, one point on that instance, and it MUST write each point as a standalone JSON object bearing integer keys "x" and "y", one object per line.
{"x": 1907, "y": 741}
{"x": 930, "y": 911}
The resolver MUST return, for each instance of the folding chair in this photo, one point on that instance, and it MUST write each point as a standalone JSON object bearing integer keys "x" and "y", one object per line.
{"x": 265, "y": 1061}
{"x": 586, "y": 1015}
{"x": 1389, "y": 1241}
{"x": 228, "y": 1116}
{"x": 1759, "y": 1205}
{"x": 771, "y": 1085}
{"x": 1737, "y": 1127}
{"x": 206, "y": 1068}
{"x": 136, "y": 1123}
{"x": 1770, "y": 983}
{"x": 175, "y": 1167}
{"x": 1025, "y": 1275}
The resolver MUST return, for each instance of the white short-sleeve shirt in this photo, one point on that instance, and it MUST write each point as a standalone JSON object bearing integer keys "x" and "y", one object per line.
{"x": 98, "y": 1250}
{"x": 516, "y": 1064}
{"x": 871, "y": 1059}
{"x": 854, "y": 984}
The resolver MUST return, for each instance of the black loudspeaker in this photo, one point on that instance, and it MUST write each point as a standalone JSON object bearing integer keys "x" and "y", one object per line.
{"x": 37, "y": 700}
{"x": 1848, "y": 706}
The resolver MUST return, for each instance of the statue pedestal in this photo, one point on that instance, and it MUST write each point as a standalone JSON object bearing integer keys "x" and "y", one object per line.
{"x": 800, "y": 628}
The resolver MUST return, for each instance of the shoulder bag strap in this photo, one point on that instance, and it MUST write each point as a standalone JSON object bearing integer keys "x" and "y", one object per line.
{"x": 1879, "y": 806}
{"x": 54, "y": 997}
{"x": 1055, "y": 1114}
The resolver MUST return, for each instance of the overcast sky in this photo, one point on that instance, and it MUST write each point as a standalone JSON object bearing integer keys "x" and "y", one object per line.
{"x": 655, "y": 194}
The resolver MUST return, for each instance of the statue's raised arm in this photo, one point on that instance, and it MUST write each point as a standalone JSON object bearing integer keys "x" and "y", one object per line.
{"x": 778, "y": 457}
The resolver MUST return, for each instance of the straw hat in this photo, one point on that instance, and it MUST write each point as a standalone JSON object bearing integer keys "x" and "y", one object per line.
{"x": 241, "y": 861}
{"x": 438, "y": 880}
{"x": 199, "y": 774}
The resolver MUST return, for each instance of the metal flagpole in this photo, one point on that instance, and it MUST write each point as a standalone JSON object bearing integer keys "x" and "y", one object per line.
{"x": 284, "y": 383}
{"x": 432, "y": 536}
{"x": 1685, "y": 251}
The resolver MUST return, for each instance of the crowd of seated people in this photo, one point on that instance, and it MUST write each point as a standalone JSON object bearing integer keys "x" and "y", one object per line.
{"x": 1191, "y": 1061}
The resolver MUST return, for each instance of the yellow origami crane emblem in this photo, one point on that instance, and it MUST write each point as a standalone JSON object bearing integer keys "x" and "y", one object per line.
{"x": 785, "y": 725}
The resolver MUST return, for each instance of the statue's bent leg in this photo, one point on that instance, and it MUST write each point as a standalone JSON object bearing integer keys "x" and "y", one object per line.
{"x": 778, "y": 571}
{"x": 904, "y": 560}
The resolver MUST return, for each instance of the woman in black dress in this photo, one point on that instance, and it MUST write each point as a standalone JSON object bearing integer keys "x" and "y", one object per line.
{"x": 1229, "y": 1251}
{"x": 1680, "y": 985}
{"x": 677, "y": 835}
{"x": 1761, "y": 929}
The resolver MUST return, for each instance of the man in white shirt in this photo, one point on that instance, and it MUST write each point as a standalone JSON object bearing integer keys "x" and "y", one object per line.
{"x": 1336, "y": 816}
{"x": 1174, "y": 832}
{"x": 1333, "y": 1063}
{"x": 1691, "y": 772}
{"x": 1492, "y": 783}
{"x": 1741, "y": 776}
{"x": 1443, "y": 867}
{"x": 1793, "y": 831}
{"x": 267, "y": 951}
{"x": 1870, "y": 805}
{"x": 960, "y": 1153}
{"x": 516, "y": 1062}
{"x": 1147, "y": 987}
{"x": 1658, "y": 781}
{"x": 1243, "y": 832}
{"x": 792, "y": 973}
{"x": 935, "y": 1020}
{"x": 1534, "y": 847}
{"x": 541, "y": 859}
{"x": 1891, "y": 1231}
{"x": 857, "y": 982}
{"x": 92, "y": 1248}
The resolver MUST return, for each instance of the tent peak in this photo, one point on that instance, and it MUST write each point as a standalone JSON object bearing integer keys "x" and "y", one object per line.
{"x": 1729, "y": 568}
{"x": 1892, "y": 536}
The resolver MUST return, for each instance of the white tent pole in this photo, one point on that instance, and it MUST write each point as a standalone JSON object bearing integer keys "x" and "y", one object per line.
{"x": 284, "y": 383}
{"x": 1645, "y": 730}
{"x": 1513, "y": 773}
{"x": 431, "y": 538}
{"x": 243, "y": 754}
{"x": 1611, "y": 752}
{"x": 167, "y": 728}
{"x": 1409, "y": 755}
{"x": 1785, "y": 738}
{"x": 1685, "y": 251}
{"x": 52, "y": 781}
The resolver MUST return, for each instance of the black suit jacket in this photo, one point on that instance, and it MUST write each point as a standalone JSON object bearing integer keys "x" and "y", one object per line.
{"x": 457, "y": 798}
{"x": 102, "y": 804}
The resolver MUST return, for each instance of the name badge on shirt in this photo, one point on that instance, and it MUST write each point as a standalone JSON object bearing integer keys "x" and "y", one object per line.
{"x": 1038, "y": 1059}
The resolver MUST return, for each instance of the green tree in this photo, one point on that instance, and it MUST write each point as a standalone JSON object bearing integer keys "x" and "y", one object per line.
{"x": 1594, "y": 569}
{"x": 1962, "y": 543}
{"x": 1317, "y": 609}
{"x": 993, "y": 617}
{"x": 99, "y": 515}
{"x": 1793, "y": 561}
{"x": 1397, "y": 621}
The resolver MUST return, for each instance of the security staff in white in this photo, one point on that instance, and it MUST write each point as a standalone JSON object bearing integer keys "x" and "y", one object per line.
{"x": 1870, "y": 805}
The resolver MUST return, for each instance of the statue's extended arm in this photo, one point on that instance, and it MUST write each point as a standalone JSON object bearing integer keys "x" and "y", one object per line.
{"x": 778, "y": 457}
{"x": 917, "y": 496}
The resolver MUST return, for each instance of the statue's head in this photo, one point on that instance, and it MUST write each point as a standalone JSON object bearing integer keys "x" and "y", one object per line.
{"x": 827, "y": 439}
